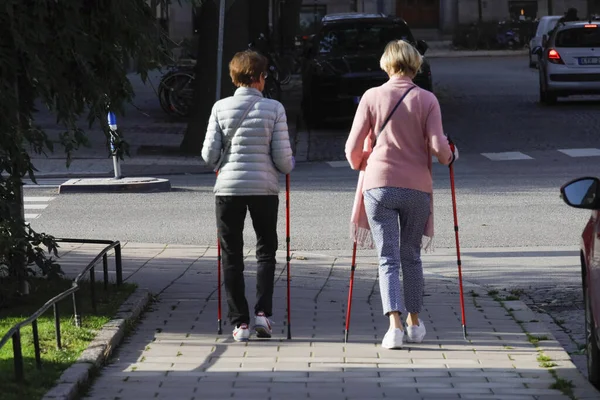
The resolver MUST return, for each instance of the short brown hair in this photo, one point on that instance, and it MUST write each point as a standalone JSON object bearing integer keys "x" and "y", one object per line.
{"x": 246, "y": 67}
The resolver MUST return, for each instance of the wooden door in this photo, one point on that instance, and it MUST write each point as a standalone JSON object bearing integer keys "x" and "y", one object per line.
{"x": 423, "y": 14}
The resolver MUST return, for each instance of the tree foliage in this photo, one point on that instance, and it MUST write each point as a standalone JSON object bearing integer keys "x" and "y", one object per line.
{"x": 70, "y": 56}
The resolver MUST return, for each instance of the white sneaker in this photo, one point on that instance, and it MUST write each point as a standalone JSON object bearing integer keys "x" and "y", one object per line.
{"x": 393, "y": 339}
{"x": 416, "y": 333}
{"x": 262, "y": 326}
{"x": 241, "y": 333}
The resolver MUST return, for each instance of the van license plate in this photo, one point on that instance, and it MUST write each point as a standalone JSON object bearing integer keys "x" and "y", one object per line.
{"x": 589, "y": 60}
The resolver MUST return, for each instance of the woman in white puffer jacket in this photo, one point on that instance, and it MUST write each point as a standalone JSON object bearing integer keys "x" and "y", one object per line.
{"x": 247, "y": 141}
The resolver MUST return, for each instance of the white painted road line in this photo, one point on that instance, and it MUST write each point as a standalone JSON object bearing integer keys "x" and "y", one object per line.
{"x": 338, "y": 164}
{"x": 581, "y": 152}
{"x": 35, "y": 206}
{"x": 31, "y": 216}
{"x": 507, "y": 156}
{"x": 38, "y": 199}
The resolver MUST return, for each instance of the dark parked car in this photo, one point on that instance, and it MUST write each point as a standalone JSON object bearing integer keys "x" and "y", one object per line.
{"x": 585, "y": 193}
{"x": 342, "y": 62}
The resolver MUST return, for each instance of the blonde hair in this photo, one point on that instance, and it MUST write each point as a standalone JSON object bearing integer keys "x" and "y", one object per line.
{"x": 401, "y": 58}
{"x": 246, "y": 67}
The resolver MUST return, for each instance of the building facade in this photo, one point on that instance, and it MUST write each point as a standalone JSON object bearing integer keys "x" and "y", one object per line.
{"x": 444, "y": 15}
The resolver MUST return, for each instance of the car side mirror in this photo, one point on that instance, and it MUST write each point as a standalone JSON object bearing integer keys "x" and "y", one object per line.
{"x": 537, "y": 50}
{"x": 582, "y": 193}
{"x": 422, "y": 46}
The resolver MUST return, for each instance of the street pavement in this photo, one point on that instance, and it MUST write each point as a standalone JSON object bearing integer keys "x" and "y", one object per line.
{"x": 176, "y": 353}
{"x": 516, "y": 233}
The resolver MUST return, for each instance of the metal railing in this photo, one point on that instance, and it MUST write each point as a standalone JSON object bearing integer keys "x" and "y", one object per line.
{"x": 15, "y": 332}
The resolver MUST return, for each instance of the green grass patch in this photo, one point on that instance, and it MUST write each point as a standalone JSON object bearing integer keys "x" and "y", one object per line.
{"x": 543, "y": 358}
{"x": 74, "y": 340}
{"x": 536, "y": 339}
{"x": 548, "y": 364}
{"x": 492, "y": 293}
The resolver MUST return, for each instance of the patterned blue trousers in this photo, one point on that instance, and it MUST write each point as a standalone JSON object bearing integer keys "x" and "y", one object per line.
{"x": 397, "y": 218}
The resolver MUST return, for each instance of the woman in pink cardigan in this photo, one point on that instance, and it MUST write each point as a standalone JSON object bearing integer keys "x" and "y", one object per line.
{"x": 396, "y": 130}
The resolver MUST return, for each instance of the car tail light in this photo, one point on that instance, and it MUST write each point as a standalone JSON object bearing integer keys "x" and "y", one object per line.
{"x": 554, "y": 57}
{"x": 590, "y": 26}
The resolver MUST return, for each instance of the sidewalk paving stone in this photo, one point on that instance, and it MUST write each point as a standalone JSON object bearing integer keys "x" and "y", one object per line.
{"x": 176, "y": 353}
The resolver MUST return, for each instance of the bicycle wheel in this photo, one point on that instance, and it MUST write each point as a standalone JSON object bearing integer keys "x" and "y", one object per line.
{"x": 180, "y": 92}
{"x": 163, "y": 94}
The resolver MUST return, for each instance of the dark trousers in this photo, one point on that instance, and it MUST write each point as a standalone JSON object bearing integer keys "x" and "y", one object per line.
{"x": 231, "y": 214}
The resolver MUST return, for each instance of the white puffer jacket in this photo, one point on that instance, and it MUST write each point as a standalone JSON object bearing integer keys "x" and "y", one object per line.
{"x": 259, "y": 151}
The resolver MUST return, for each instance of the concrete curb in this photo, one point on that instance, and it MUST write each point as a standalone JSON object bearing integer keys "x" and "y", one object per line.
{"x": 111, "y": 185}
{"x": 100, "y": 349}
{"x": 475, "y": 53}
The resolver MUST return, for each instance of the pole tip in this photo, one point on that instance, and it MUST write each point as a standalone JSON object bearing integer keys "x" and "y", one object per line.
{"x": 465, "y": 332}
{"x": 346, "y": 336}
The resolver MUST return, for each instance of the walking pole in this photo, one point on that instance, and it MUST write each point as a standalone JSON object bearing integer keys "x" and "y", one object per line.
{"x": 458, "y": 262}
{"x": 219, "y": 326}
{"x": 349, "y": 309}
{"x": 220, "y": 329}
{"x": 287, "y": 239}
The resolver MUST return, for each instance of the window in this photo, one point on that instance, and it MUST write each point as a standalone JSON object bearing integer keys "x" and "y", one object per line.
{"x": 310, "y": 18}
{"x": 523, "y": 9}
{"x": 352, "y": 37}
{"x": 579, "y": 37}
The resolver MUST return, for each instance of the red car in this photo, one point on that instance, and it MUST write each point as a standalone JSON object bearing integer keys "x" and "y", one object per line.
{"x": 585, "y": 193}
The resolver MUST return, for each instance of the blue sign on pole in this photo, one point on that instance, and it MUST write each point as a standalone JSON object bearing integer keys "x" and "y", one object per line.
{"x": 112, "y": 124}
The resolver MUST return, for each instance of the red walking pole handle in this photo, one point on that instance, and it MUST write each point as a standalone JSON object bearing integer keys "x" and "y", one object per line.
{"x": 452, "y": 148}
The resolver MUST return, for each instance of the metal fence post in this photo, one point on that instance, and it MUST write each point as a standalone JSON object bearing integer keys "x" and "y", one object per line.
{"x": 105, "y": 271}
{"x": 18, "y": 356}
{"x": 36, "y": 344}
{"x": 93, "y": 289}
{"x": 119, "y": 264}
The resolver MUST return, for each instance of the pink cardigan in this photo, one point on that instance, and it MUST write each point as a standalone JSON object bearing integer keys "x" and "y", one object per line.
{"x": 402, "y": 156}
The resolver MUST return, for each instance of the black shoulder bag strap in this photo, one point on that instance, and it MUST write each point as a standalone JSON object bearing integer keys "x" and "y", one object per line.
{"x": 392, "y": 113}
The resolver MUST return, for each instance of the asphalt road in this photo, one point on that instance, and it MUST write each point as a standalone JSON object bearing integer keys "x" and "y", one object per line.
{"x": 500, "y": 204}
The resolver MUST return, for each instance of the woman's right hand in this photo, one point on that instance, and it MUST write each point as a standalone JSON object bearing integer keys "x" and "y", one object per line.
{"x": 454, "y": 154}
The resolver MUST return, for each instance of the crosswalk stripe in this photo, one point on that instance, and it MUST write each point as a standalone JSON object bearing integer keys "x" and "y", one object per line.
{"x": 31, "y": 216}
{"x": 35, "y": 206}
{"x": 38, "y": 199}
{"x": 507, "y": 156}
{"x": 591, "y": 152}
{"x": 338, "y": 164}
